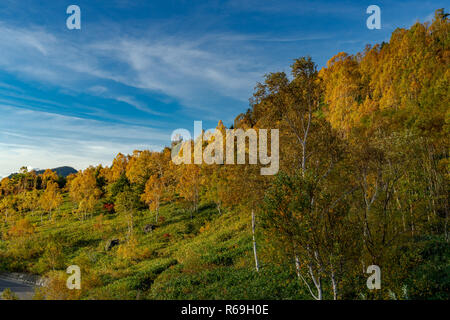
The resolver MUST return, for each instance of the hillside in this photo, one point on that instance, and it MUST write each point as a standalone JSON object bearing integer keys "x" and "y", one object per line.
{"x": 362, "y": 181}
{"x": 207, "y": 257}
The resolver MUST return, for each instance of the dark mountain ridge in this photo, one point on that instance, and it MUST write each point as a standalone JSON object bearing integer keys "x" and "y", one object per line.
{"x": 60, "y": 171}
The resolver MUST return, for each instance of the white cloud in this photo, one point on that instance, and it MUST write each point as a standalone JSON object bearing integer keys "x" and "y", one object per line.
{"x": 46, "y": 140}
{"x": 98, "y": 90}
{"x": 184, "y": 71}
{"x": 200, "y": 74}
{"x": 137, "y": 104}
{"x": 196, "y": 73}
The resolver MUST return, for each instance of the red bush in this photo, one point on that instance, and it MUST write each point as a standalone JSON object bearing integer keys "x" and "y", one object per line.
{"x": 109, "y": 207}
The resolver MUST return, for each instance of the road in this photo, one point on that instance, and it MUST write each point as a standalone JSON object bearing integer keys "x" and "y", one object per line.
{"x": 23, "y": 291}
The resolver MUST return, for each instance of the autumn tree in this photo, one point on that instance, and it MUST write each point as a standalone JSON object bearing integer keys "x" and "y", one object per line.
{"x": 153, "y": 194}
{"x": 342, "y": 83}
{"x": 8, "y": 207}
{"x": 51, "y": 199}
{"x": 48, "y": 176}
{"x": 118, "y": 168}
{"x": 84, "y": 191}
{"x": 304, "y": 206}
{"x": 29, "y": 201}
{"x": 141, "y": 166}
{"x": 215, "y": 187}
{"x": 6, "y": 187}
{"x": 22, "y": 228}
{"x": 189, "y": 185}
{"x": 127, "y": 203}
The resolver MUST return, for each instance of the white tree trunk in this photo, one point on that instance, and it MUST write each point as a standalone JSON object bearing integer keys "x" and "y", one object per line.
{"x": 254, "y": 241}
{"x": 334, "y": 285}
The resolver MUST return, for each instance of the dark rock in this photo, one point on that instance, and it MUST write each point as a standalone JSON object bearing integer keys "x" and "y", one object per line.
{"x": 149, "y": 228}
{"x": 111, "y": 243}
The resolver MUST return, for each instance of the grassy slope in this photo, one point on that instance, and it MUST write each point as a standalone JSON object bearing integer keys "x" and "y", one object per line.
{"x": 208, "y": 257}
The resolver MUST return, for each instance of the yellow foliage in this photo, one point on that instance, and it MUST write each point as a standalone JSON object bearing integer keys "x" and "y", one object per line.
{"x": 206, "y": 227}
{"x": 56, "y": 288}
{"x": 131, "y": 251}
{"x": 21, "y": 228}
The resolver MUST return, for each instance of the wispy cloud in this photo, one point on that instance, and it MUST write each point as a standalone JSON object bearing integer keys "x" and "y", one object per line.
{"x": 195, "y": 73}
{"x": 46, "y": 139}
{"x": 182, "y": 70}
{"x": 137, "y": 104}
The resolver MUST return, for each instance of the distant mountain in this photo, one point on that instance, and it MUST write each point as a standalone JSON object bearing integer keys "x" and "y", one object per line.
{"x": 60, "y": 171}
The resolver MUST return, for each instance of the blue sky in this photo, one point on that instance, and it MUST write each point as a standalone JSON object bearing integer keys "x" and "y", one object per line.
{"x": 137, "y": 70}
